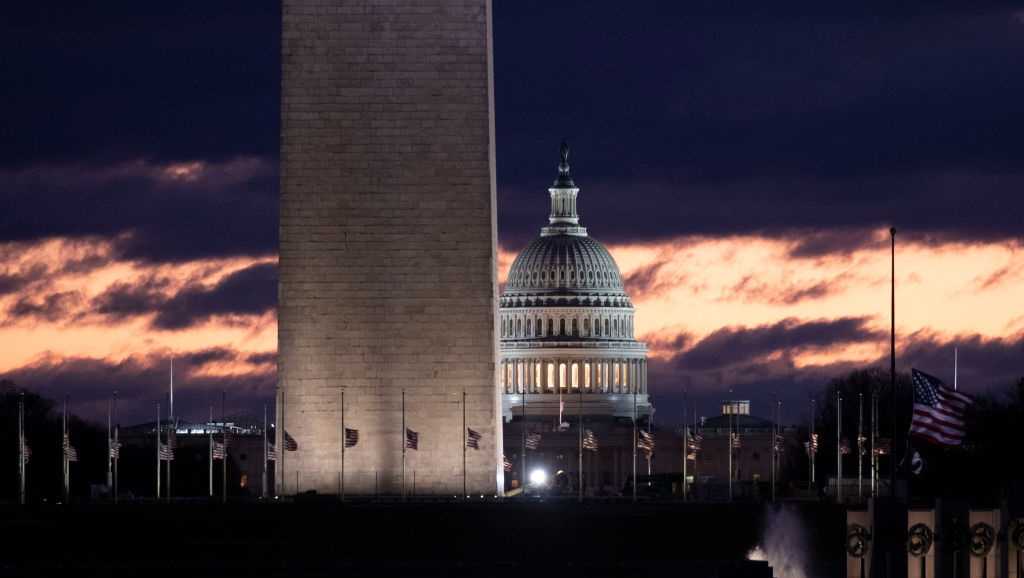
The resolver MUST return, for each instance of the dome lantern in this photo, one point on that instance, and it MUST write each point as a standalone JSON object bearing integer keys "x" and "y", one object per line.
{"x": 563, "y": 219}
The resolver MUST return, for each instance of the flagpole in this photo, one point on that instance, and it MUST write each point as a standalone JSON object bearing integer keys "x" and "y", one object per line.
{"x": 158, "y": 450}
{"x": 579, "y": 449}
{"x": 860, "y": 445}
{"x": 695, "y": 451}
{"x": 405, "y": 443}
{"x": 774, "y": 442}
{"x": 224, "y": 435}
{"x": 21, "y": 448}
{"x": 173, "y": 424}
{"x": 729, "y": 421}
{"x": 210, "y": 444}
{"x": 117, "y": 445}
{"x": 343, "y": 442}
{"x": 874, "y": 435}
{"x": 522, "y": 459}
{"x": 839, "y": 447}
{"x": 634, "y": 446}
{"x": 465, "y": 492}
{"x": 686, "y": 441}
{"x": 892, "y": 362}
{"x": 956, "y": 366}
{"x": 279, "y": 477}
{"x": 263, "y": 491}
{"x": 63, "y": 447}
{"x": 812, "y": 446}
{"x": 110, "y": 458}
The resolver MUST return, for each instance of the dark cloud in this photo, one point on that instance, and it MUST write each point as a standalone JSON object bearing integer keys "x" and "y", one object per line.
{"x": 141, "y": 381}
{"x": 261, "y": 358}
{"x": 12, "y": 282}
{"x": 51, "y": 308}
{"x": 646, "y": 281}
{"x": 250, "y": 291}
{"x": 750, "y": 290}
{"x": 124, "y": 300}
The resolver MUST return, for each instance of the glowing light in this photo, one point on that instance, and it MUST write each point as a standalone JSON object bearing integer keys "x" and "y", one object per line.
{"x": 538, "y": 477}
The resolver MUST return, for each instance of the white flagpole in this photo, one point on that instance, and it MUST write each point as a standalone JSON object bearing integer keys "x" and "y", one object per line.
{"x": 812, "y": 449}
{"x": 405, "y": 444}
{"x": 465, "y": 432}
{"x": 263, "y": 492}
{"x": 224, "y": 437}
{"x": 173, "y": 424}
{"x": 839, "y": 447}
{"x": 956, "y": 366}
{"x": 21, "y": 448}
{"x": 117, "y": 444}
{"x": 635, "y": 481}
{"x": 860, "y": 446}
{"x": 686, "y": 443}
{"x": 63, "y": 447}
{"x": 158, "y": 450}
{"x": 343, "y": 441}
{"x": 210, "y": 447}
{"x": 110, "y": 458}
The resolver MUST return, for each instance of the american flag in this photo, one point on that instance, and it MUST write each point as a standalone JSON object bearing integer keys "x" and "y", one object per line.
{"x": 271, "y": 453}
{"x": 532, "y": 441}
{"x": 780, "y": 443}
{"x": 590, "y": 441}
{"x": 473, "y": 439}
{"x": 172, "y": 437}
{"x": 219, "y": 451}
{"x": 412, "y": 439}
{"x": 695, "y": 442}
{"x": 646, "y": 443}
{"x": 351, "y": 437}
{"x": 290, "y": 445}
{"x": 70, "y": 453}
{"x": 862, "y": 447}
{"x": 812, "y": 446}
{"x": 736, "y": 441}
{"x": 938, "y": 411}
{"x": 115, "y": 450}
{"x": 28, "y": 452}
{"x": 506, "y": 463}
{"x": 166, "y": 453}
{"x": 844, "y": 446}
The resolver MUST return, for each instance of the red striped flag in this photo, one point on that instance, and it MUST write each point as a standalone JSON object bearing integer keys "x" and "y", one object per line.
{"x": 938, "y": 411}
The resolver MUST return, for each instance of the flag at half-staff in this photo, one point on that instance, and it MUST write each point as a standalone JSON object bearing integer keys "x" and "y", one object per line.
{"x": 27, "y": 452}
{"x": 844, "y": 446}
{"x": 693, "y": 446}
{"x": 646, "y": 443}
{"x": 883, "y": 446}
{"x": 812, "y": 445}
{"x": 506, "y": 463}
{"x": 473, "y": 438}
{"x": 590, "y": 441}
{"x": 70, "y": 453}
{"x": 166, "y": 453}
{"x": 862, "y": 445}
{"x": 219, "y": 451}
{"x": 351, "y": 437}
{"x": 290, "y": 445}
{"x": 412, "y": 439}
{"x": 533, "y": 441}
{"x": 780, "y": 443}
{"x": 736, "y": 444}
{"x": 271, "y": 453}
{"x": 938, "y": 411}
{"x": 114, "y": 449}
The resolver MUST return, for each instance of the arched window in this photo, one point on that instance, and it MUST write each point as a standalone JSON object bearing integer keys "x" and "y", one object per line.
{"x": 529, "y": 327}
{"x": 586, "y": 327}
{"x": 561, "y": 326}
{"x": 597, "y": 327}
{"x": 519, "y": 327}
{"x": 551, "y": 326}
{"x": 575, "y": 328}
{"x": 606, "y": 324}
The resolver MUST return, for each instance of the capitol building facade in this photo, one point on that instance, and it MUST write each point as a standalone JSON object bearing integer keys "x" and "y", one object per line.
{"x": 566, "y": 322}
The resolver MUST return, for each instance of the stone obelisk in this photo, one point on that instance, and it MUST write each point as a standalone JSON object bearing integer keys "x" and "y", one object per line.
{"x": 387, "y": 258}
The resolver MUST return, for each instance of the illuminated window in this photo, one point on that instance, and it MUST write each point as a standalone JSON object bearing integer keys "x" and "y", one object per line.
{"x": 586, "y": 376}
{"x": 575, "y": 375}
{"x": 625, "y": 375}
{"x": 617, "y": 376}
{"x": 551, "y": 376}
{"x": 536, "y": 376}
{"x": 561, "y": 376}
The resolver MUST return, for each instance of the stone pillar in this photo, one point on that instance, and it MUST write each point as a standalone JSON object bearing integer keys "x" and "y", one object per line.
{"x": 387, "y": 226}
{"x": 921, "y": 544}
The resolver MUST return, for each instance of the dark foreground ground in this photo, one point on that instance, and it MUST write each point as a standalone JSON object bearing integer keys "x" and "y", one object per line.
{"x": 321, "y": 537}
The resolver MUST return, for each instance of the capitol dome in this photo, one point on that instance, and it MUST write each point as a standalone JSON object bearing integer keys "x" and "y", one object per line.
{"x": 566, "y": 322}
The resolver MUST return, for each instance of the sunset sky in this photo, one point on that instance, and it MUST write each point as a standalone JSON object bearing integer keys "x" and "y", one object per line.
{"x": 742, "y": 166}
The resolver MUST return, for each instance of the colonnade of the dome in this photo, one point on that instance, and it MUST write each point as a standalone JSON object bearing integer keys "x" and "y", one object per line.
{"x": 569, "y": 374}
{"x": 589, "y": 324}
